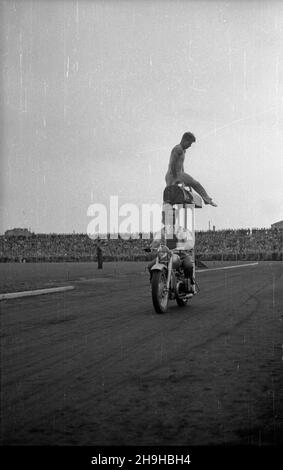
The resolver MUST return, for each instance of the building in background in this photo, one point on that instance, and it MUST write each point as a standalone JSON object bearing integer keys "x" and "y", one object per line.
{"x": 18, "y": 232}
{"x": 278, "y": 225}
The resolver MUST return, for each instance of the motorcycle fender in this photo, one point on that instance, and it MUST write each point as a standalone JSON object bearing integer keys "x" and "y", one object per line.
{"x": 158, "y": 267}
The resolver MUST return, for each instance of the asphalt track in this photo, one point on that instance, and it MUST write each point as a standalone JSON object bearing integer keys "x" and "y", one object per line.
{"x": 97, "y": 366}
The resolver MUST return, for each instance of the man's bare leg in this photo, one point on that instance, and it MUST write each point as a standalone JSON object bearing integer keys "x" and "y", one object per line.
{"x": 191, "y": 182}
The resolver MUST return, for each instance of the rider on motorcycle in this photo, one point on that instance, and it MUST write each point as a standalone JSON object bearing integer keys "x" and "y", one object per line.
{"x": 180, "y": 240}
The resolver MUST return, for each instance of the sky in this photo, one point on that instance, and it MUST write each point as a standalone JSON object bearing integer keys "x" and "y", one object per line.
{"x": 95, "y": 94}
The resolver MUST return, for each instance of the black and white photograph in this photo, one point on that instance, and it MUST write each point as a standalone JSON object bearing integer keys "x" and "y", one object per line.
{"x": 141, "y": 227}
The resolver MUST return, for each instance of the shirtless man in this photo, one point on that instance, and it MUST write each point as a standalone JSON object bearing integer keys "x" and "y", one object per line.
{"x": 176, "y": 174}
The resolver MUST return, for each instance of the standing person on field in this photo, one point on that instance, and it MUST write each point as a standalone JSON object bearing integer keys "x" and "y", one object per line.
{"x": 176, "y": 173}
{"x": 99, "y": 254}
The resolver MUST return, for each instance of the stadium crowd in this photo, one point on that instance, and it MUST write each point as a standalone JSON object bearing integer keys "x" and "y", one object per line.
{"x": 243, "y": 244}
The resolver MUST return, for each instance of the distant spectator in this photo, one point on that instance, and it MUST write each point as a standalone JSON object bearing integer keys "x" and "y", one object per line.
{"x": 99, "y": 253}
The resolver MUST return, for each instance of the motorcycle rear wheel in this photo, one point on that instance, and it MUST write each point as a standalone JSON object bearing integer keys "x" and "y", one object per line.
{"x": 159, "y": 291}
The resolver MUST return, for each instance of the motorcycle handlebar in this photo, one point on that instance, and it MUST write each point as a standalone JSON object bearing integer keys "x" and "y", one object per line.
{"x": 160, "y": 248}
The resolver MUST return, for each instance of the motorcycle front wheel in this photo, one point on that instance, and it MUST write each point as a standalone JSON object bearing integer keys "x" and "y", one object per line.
{"x": 159, "y": 291}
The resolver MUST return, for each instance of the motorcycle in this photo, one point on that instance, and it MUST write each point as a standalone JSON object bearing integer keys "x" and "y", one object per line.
{"x": 167, "y": 275}
{"x": 168, "y": 281}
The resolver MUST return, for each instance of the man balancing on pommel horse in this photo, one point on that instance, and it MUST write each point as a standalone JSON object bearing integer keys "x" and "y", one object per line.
{"x": 176, "y": 174}
{"x": 183, "y": 241}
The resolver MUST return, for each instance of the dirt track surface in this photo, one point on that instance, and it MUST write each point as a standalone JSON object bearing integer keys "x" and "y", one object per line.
{"x": 97, "y": 366}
